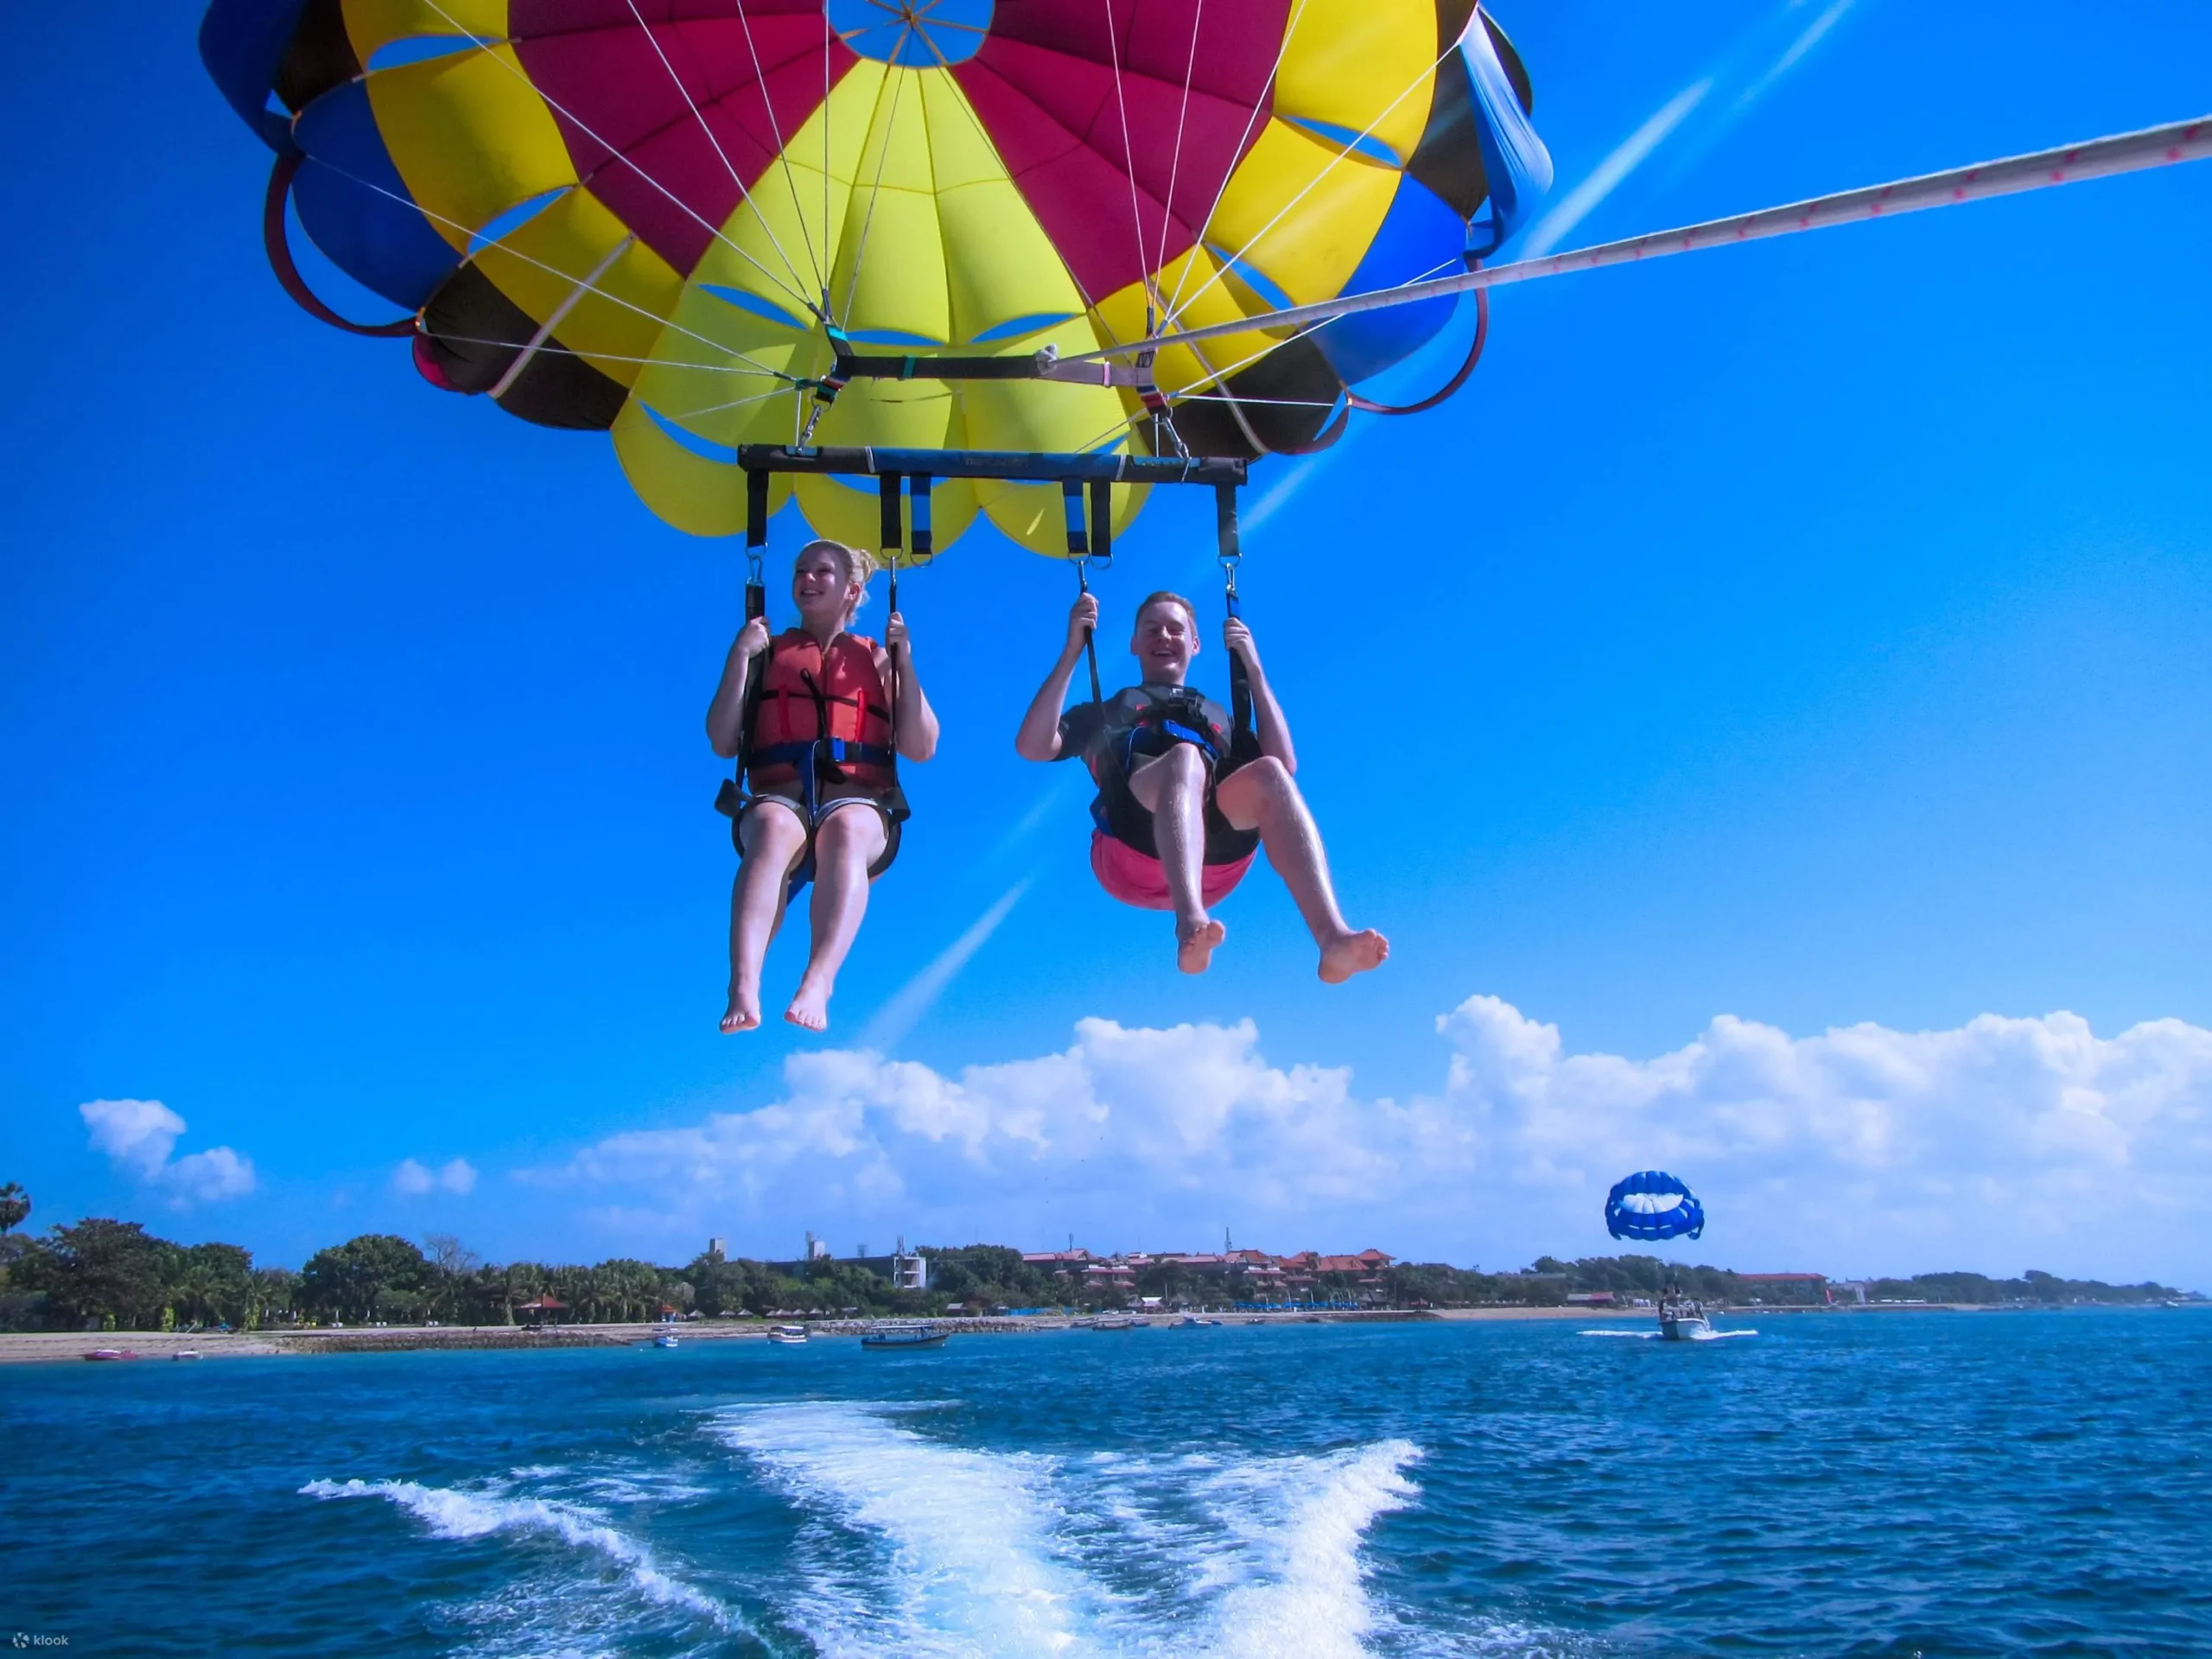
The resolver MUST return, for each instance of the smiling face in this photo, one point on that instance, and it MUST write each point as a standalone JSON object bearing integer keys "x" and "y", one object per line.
{"x": 824, "y": 586}
{"x": 1166, "y": 639}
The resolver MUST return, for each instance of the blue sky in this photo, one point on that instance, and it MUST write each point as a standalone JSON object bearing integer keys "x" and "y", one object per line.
{"x": 1812, "y": 634}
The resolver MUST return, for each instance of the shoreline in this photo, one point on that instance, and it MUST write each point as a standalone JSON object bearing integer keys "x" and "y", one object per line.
{"x": 52, "y": 1347}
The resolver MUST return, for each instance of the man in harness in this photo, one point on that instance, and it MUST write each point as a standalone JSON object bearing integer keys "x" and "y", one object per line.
{"x": 1183, "y": 801}
{"x": 817, "y": 733}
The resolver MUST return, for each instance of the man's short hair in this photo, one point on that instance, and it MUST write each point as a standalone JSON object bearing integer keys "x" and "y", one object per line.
{"x": 1164, "y": 597}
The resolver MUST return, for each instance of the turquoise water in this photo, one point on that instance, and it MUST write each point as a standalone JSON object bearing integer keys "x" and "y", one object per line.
{"x": 1936, "y": 1483}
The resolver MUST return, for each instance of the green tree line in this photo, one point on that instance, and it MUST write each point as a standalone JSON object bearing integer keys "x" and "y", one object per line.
{"x": 101, "y": 1274}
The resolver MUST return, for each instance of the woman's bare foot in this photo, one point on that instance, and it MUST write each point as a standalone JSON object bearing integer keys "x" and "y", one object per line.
{"x": 1195, "y": 944}
{"x": 810, "y": 1010}
{"x": 1355, "y": 953}
{"x": 743, "y": 1012}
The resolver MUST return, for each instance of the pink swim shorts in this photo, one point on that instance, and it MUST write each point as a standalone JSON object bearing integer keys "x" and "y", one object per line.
{"x": 1131, "y": 877}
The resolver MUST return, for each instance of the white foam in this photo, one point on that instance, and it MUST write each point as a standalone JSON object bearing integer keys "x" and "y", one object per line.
{"x": 973, "y": 1568}
{"x": 453, "y": 1514}
{"x": 1297, "y": 1584}
{"x": 986, "y": 1552}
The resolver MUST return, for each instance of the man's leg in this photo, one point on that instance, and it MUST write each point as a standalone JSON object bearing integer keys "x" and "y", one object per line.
{"x": 1173, "y": 788}
{"x": 849, "y": 840}
{"x": 774, "y": 838}
{"x": 1262, "y": 796}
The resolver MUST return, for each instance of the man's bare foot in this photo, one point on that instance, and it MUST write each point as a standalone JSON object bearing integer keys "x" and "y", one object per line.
{"x": 743, "y": 1012}
{"x": 810, "y": 1010}
{"x": 1355, "y": 953}
{"x": 1194, "y": 945}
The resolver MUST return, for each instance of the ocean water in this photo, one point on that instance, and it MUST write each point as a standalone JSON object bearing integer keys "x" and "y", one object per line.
{"x": 1887, "y": 1484}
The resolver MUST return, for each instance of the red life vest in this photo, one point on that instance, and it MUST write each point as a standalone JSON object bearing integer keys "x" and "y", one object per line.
{"x": 807, "y": 695}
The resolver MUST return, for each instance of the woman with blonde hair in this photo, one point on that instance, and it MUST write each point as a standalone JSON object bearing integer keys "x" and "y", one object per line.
{"x": 817, "y": 717}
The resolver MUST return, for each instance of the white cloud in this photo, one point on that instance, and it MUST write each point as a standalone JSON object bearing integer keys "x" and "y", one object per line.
{"x": 138, "y": 1135}
{"x": 412, "y": 1177}
{"x": 2002, "y": 1144}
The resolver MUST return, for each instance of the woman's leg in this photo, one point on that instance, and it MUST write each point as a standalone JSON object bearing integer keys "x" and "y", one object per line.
{"x": 1263, "y": 796}
{"x": 774, "y": 842}
{"x": 849, "y": 840}
{"x": 1172, "y": 787}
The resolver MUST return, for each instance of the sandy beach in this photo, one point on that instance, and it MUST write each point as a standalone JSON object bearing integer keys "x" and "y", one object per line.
{"x": 17, "y": 1347}
{"x": 34, "y": 1347}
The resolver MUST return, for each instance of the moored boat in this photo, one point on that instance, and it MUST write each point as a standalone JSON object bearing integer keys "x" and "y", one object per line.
{"x": 904, "y": 1337}
{"x": 112, "y": 1353}
{"x": 791, "y": 1334}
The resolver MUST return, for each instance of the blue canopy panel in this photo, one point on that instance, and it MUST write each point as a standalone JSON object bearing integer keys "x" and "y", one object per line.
{"x": 354, "y": 205}
{"x": 1651, "y": 1205}
{"x": 243, "y": 42}
{"x": 1518, "y": 166}
{"x": 1420, "y": 237}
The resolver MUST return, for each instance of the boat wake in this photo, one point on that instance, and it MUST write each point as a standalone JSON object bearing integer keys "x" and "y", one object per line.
{"x": 962, "y": 1533}
{"x": 451, "y": 1513}
{"x": 914, "y": 1545}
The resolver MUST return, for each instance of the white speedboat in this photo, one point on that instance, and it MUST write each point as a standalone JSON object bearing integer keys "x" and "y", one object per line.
{"x": 1689, "y": 1322}
{"x": 665, "y": 1339}
{"x": 1678, "y": 1322}
{"x": 791, "y": 1334}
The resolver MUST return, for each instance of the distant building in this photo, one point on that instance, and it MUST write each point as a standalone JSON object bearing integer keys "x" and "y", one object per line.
{"x": 1059, "y": 1260}
{"x": 817, "y": 1250}
{"x": 717, "y": 1249}
{"x": 909, "y": 1272}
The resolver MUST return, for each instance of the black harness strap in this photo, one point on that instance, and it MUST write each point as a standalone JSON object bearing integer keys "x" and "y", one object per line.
{"x": 1231, "y": 555}
{"x": 730, "y": 798}
{"x": 1079, "y": 555}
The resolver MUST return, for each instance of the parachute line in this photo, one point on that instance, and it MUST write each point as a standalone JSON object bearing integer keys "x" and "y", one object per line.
{"x": 416, "y": 48}
{"x": 1129, "y": 153}
{"x": 1347, "y": 148}
{"x": 728, "y": 166}
{"x": 2096, "y": 158}
{"x": 1265, "y": 99}
{"x": 504, "y": 224}
{"x": 714, "y": 231}
{"x": 522, "y": 359}
{"x": 1182, "y": 118}
{"x": 875, "y": 189}
{"x": 616, "y": 300}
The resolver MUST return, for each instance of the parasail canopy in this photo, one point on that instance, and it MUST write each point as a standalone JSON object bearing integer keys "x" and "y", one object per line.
{"x": 1651, "y": 1205}
{"x": 683, "y": 221}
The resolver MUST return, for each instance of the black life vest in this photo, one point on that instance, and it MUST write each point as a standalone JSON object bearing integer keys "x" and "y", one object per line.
{"x": 1144, "y": 721}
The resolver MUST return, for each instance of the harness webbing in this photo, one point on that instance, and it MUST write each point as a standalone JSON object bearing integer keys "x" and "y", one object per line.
{"x": 1080, "y": 554}
{"x": 1231, "y": 555}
